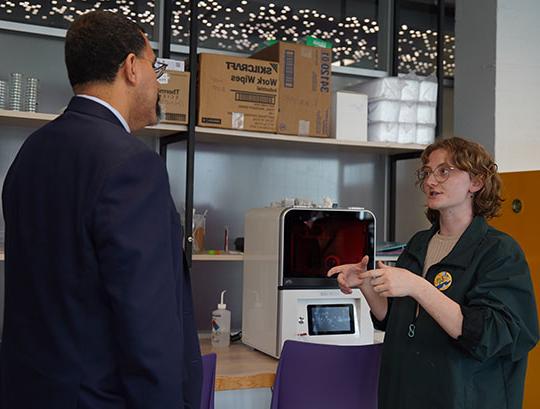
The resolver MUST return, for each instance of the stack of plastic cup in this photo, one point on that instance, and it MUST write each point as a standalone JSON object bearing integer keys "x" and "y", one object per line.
{"x": 31, "y": 95}
{"x": 3, "y": 94}
{"x": 15, "y": 91}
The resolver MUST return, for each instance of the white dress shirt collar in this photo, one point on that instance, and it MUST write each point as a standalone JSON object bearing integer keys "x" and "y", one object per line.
{"x": 110, "y": 108}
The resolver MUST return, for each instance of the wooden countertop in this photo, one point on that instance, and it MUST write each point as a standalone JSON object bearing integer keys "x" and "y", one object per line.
{"x": 241, "y": 367}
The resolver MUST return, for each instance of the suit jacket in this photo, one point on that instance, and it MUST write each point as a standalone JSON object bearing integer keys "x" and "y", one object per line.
{"x": 98, "y": 305}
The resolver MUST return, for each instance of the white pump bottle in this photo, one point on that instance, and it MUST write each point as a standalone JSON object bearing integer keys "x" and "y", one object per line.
{"x": 221, "y": 325}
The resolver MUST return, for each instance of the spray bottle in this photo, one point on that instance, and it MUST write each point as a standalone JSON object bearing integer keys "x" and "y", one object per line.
{"x": 221, "y": 325}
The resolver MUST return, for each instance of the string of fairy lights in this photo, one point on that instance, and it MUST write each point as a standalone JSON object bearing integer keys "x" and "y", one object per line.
{"x": 244, "y": 26}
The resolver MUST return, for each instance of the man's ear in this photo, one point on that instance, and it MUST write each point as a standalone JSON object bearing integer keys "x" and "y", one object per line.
{"x": 129, "y": 68}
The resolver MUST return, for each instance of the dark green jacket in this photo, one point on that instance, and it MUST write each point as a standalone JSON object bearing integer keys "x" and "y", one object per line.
{"x": 485, "y": 367}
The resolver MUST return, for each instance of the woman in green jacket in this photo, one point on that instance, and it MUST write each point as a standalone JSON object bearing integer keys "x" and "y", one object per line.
{"x": 458, "y": 309}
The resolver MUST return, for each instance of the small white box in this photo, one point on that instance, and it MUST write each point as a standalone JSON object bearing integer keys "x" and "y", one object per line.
{"x": 349, "y": 116}
{"x": 172, "y": 65}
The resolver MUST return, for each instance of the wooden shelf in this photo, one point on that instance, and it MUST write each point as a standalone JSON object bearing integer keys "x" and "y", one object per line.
{"x": 25, "y": 119}
{"x": 218, "y": 257}
{"x": 217, "y": 135}
{"x": 37, "y": 119}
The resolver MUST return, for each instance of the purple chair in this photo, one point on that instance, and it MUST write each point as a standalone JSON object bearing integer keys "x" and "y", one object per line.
{"x": 209, "y": 380}
{"x": 318, "y": 376}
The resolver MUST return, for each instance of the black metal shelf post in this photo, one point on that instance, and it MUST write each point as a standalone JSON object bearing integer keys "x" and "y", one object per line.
{"x": 440, "y": 67}
{"x": 392, "y": 163}
{"x": 395, "y": 24}
{"x": 189, "y": 135}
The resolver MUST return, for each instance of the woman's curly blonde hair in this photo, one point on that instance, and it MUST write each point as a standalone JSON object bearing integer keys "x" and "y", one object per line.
{"x": 475, "y": 160}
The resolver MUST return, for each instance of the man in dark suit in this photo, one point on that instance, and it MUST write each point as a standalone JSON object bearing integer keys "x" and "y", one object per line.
{"x": 98, "y": 306}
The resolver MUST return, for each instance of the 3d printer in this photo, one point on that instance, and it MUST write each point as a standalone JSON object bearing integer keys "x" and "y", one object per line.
{"x": 286, "y": 294}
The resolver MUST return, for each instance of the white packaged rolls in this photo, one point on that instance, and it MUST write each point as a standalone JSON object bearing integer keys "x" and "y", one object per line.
{"x": 383, "y": 111}
{"x": 410, "y": 90}
{"x": 426, "y": 114}
{"x": 381, "y": 88}
{"x": 406, "y": 133}
{"x": 428, "y": 91}
{"x": 383, "y": 131}
{"x": 425, "y": 134}
{"x": 408, "y": 112}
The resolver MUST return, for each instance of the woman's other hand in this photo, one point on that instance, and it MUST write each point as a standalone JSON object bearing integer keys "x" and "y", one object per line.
{"x": 390, "y": 281}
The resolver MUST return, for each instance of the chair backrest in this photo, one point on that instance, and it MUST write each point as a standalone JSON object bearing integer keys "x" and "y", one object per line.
{"x": 317, "y": 376}
{"x": 209, "y": 381}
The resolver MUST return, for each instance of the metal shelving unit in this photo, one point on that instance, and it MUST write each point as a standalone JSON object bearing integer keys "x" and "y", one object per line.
{"x": 191, "y": 133}
{"x": 195, "y": 134}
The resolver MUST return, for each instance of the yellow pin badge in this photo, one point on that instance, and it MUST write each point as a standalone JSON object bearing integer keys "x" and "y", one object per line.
{"x": 443, "y": 280}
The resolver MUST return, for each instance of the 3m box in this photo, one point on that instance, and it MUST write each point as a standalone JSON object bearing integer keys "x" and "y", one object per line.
{"x": 304, "y": 88}
{"x": 174, "y": 97}
{"x": 237, "y": 93}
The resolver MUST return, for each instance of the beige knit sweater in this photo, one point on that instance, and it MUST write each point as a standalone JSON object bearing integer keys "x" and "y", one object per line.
{"x": 438, "y": 248}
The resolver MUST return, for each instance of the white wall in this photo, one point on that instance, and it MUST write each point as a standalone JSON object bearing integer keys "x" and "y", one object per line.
{"x": 517, "y": 92}
{"x": 497, "y": 79}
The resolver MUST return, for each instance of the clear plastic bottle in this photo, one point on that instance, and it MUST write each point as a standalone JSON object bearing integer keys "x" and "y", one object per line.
{"x": 221, "y": 325}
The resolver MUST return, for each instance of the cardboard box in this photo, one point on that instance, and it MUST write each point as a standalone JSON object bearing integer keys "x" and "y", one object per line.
{"x": 304, "y": 88}
{"x": 349, "y": 116}
{"x": 237, "y": 93}
{"x": 174, "y": 97}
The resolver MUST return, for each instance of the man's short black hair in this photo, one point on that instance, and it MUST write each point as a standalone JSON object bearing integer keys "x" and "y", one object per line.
{"x": 97, "y": 43}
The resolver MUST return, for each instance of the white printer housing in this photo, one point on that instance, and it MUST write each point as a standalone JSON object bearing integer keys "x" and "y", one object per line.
{"x": 286, "y": 294}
